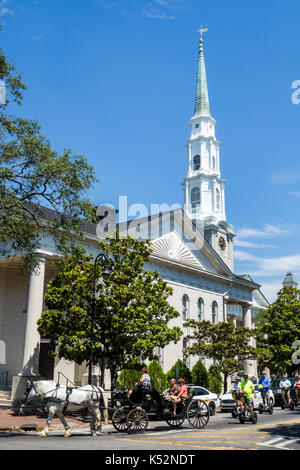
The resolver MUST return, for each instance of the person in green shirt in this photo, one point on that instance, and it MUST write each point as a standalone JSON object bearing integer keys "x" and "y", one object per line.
{"x": 247, "y": 388}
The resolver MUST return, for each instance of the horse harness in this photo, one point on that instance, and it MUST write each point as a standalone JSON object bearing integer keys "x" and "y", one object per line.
{"x": 96, "y": 395}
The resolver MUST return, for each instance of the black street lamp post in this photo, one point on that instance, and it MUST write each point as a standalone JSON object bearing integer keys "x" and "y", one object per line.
{"x": 101, "y": 260}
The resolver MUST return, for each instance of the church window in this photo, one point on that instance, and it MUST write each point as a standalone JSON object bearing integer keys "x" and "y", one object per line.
{"x": 200, "y": 310}
{"x": 197, "y": 163}
{"x": 197, "y": 126}
{"x": 215, "y": 312}
{"x": 195, "y": 197}
{"x": 185, "y": 307}
{"x": 218, "y": 200}
{"x": 214, "y": 163}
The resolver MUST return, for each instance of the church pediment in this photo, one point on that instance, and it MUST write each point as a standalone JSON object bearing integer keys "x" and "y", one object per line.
{"x": 170, "y": 246}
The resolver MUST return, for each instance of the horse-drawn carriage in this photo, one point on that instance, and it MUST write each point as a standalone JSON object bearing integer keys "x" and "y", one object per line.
{"x": 131, "y": 413}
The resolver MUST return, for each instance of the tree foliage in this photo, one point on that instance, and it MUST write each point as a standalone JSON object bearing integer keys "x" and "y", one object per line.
{"x": 214, "y": 380}
{"x": 226, "y": 344}
{"x": 199, "y": 374}
{"x": 158, "y": 378}
{"x": 132, "y": 312}
{"x": 33, "y": 175}
{"x": 183, "y": 372}
{"x": 130, "y": 375}
{"x": 278, "y": 330}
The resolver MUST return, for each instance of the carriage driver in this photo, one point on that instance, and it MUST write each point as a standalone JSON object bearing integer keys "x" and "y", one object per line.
{"x": 143, "y": 385}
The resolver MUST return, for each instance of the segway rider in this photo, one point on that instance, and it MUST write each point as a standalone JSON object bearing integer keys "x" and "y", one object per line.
{"x": 247, "y": 388}
{"x": 236, "y": 390}
{"x": 264, "y": 384}
{"x": 297, "y": 383}
{"x": 285, "y": 385}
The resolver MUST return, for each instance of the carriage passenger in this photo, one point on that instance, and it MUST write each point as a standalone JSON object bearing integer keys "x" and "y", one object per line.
{"x": 173, "y": 390}
{"x": 183, "y": 393}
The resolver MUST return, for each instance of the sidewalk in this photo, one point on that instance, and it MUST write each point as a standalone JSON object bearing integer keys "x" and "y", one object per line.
{"x": 9, "y": 421}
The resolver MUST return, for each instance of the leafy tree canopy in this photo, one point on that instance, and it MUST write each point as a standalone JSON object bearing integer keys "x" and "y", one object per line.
{"x": 132, "y": 313}
{"x": 226, "y": 344}
{"x": 279, "y": 330}
{"x": 33, "y": 175}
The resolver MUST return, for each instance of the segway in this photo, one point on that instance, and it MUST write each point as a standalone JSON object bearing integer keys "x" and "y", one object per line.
{"x": 284, "y": 403}
{"x": 262, "y": 407}
{"x": 244, "y": 415}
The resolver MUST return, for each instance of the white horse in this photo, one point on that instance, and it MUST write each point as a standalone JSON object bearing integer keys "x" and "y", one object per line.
{"x": 58, "y": 397}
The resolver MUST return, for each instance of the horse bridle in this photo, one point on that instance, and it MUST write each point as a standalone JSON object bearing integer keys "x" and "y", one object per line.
{"x": 31, "y": 386}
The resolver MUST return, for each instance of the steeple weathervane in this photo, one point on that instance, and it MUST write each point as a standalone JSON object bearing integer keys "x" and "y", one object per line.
{"x": 201, "y": 31}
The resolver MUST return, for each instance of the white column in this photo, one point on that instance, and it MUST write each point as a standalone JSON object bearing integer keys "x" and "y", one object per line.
{"x": 30, "y": 366}
{"x": 247, "y": 323}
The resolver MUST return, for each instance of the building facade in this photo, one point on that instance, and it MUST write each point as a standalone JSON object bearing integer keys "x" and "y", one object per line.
{"x": 192, "y": 251}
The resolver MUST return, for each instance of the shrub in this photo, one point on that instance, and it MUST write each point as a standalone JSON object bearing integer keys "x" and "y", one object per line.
{"x": 129, "y": 376}
{"x": 158, "y": 378}
{"x": 199, "y": 375}
{"x": 183, "y": 372}
{"x": 214, "y": 380}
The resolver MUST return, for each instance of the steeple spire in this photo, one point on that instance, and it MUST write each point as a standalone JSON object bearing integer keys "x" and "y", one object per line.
{"x": 202, "y": 100}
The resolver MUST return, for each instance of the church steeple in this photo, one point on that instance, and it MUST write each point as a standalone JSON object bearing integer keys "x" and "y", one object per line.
{"x": 202, "y": 99}
{"x": 204, "y": 189}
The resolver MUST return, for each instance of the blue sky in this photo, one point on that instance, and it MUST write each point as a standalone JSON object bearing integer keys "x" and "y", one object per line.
{"x": 115, "y": 81}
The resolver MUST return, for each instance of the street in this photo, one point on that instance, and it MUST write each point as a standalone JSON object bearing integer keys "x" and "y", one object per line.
{"x": 280, "y": 431}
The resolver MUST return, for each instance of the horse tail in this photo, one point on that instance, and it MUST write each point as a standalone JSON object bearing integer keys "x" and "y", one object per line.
{"x": 104, "y": 404}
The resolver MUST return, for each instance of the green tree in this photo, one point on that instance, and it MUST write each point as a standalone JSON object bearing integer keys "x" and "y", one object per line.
{"x": 158, "y": 378}
{"x": 279, "y": 330}
{"x": 183, "y": 372}
{"x": 130, "y": 375}
{"x": 132, "y": 312}
{"x": 199, "y": 374}
{"x": 226, "y": 344}
{"x": 33, "y": 175}
{"x": 214, "y": 380}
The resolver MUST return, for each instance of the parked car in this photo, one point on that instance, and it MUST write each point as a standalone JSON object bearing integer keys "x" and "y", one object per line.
{"x": 228, "y": 403}
{"x": 205, "y": 395}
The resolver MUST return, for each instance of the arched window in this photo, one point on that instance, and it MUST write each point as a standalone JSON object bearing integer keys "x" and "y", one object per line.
{"x": 195, "y": 197}
{"x": 197, "y": 162}
{"x": 215, "y": 312}
{"x": 185, "y": 356}
{"x": 200, "y": 310}
{"x": 185, "y": 308}
{"x": 218, "y": 200}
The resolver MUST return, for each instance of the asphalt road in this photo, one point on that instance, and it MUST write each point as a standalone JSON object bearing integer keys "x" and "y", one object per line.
{"x": 280, "y": 431}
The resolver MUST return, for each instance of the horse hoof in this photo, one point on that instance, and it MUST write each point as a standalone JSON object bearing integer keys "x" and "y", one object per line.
{"x": 67, "y": 434}
{"x": 42, "y": 434}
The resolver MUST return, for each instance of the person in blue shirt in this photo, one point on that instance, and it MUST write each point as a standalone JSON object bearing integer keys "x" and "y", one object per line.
{"x": 264, "y": 387}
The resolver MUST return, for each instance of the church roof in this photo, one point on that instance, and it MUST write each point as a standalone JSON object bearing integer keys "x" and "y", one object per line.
{"x": 202, "y": 99}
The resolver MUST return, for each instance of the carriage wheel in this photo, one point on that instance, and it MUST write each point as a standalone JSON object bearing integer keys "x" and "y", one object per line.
{"x": 175, "y": 421}
{"x": 137, "y": 421}
{"x": 198, "y": 414}
{"x": 119, "y": 420}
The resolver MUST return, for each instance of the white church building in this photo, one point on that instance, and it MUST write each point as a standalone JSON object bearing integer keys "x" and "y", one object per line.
{"x": 192, "y": 250}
